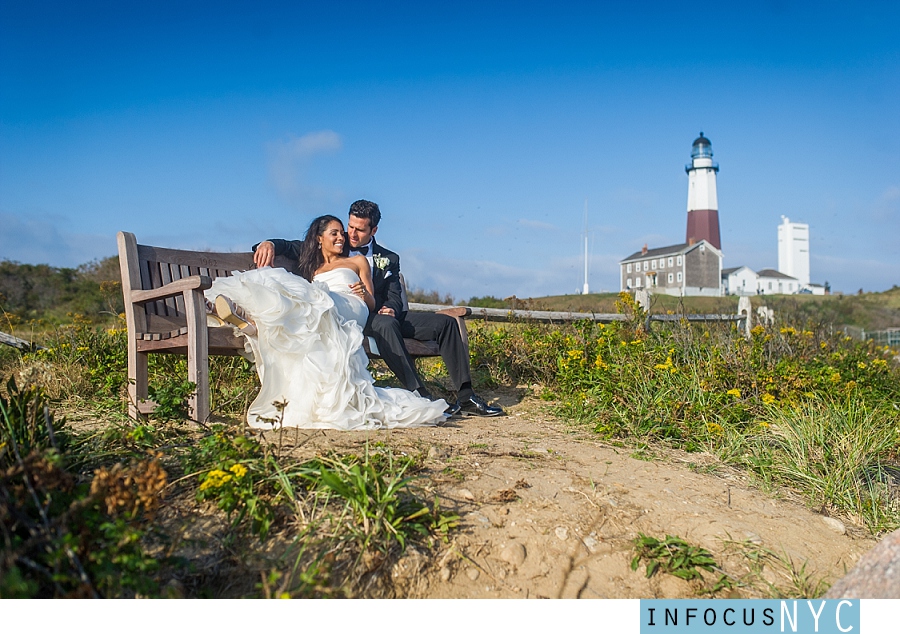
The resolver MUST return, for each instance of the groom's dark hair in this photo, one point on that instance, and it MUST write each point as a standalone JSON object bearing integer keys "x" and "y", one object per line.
{"x": 368, "y": 210}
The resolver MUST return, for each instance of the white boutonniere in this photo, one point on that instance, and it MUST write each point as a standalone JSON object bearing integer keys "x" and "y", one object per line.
{"x": 381, "y": 262}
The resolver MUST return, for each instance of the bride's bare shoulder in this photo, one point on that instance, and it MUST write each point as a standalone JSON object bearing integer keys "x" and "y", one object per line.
{"x": 359, "y": 261}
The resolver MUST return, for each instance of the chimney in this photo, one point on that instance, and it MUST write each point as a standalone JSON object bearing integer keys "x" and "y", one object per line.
{"x": 644, "y": 250}
{"x": 691, "y": 241}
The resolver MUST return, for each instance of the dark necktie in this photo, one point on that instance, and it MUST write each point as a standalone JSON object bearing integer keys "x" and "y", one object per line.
{"x": 362, "y": 250}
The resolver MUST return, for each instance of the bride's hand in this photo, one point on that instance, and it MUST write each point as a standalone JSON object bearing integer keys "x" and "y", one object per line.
{"x": 358, "y": 289}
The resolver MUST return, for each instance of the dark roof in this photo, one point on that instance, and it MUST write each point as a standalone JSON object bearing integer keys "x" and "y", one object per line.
{"x": 701, "y": 140}
{"x": 775, "y": 274}
{"x": 655, "y": 253}
{"x": 731, "y": 270}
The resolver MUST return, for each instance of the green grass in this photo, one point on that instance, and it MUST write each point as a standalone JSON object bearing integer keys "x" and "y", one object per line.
{"x": 89, "y": 511}
{"x": 802, "y": 406}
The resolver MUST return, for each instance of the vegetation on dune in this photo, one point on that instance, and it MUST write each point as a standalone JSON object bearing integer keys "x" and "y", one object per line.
{"x": 109, "y": 512}
{"x": 111, "y": 509}
{"x": 804, "y": 407}
{"x": 37, "y": 295}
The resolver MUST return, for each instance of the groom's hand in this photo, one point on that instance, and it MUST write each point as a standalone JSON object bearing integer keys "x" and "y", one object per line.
{"x": 384, "y": 310}
{"x": 264, "y": 254}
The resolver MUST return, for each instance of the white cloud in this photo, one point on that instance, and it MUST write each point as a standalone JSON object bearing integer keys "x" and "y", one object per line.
{"x": 468, "y": 278}
{"x": 537, "y": 224}
{"x": 887, "y": 206}
{"x": 47, "y": 239}
{"x": 289, "y": 160}
{"x": 848, "y": 274}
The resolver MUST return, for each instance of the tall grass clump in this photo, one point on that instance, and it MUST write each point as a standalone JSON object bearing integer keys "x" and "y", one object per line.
{"x": 708, "y": 388}
{"x": 842, "y": 453}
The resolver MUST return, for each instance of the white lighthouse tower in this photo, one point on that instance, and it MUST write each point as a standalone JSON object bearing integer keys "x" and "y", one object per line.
{"x": 793, "y": 250}
{"x": 703, "y": 201}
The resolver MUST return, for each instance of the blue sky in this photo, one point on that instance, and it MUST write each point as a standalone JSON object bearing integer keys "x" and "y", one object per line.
{"x": 479, "y": 128}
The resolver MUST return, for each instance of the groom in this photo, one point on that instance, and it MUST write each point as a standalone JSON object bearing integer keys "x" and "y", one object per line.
{"x": 389, "y": 323}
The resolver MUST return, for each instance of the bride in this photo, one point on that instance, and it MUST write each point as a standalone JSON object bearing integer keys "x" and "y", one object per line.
{"x": 305, "y": 333}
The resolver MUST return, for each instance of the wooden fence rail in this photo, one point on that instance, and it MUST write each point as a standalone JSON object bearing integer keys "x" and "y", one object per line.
{"x": 506, "y": 314}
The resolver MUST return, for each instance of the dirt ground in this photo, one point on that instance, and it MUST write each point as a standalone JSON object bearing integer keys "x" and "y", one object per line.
{"x": 548, "y": 510}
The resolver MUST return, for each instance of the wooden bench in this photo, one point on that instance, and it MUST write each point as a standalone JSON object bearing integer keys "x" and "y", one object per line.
{"x": 165, "y": 312}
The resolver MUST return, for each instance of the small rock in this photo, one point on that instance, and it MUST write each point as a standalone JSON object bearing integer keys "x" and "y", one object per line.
{"x": 434, "y": 453}
{"x": 753, "y": 538}
{"x": 465, "y": 494}
{"x": 591, "y": 543}
{"x": 835, "y": 524}
{"x": 514, "y": 553}
{"x": 473, "y": 574}
{"x": 562, "y": 533}
{"x": 875, "y": 576}
{"x": 445, "y": 574}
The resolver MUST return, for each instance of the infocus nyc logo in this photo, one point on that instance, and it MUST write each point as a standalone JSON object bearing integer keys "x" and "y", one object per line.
{"x": 750, "y": 616}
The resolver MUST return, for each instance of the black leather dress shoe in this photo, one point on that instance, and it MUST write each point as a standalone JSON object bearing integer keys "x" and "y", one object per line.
{"x": 475, "y": 406}
{"x": 452, "y": 410}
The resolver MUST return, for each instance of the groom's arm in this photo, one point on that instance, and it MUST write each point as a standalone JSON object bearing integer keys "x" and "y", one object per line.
{"x": 264, "y": 253}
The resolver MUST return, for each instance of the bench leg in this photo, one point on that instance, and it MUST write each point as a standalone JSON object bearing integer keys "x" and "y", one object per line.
{"x": 198, "y": 355}
{"x": 137, "y": 380}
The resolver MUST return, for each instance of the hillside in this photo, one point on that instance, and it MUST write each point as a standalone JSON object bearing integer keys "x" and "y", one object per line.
{"x": 870, "y": 311}
{"x": 34, "y": 293}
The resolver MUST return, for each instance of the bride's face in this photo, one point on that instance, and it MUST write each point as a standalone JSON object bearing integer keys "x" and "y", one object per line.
{"x": 332, "y": 239}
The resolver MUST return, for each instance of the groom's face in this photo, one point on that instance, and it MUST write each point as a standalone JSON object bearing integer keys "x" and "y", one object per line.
{"x": 359, "y": 231}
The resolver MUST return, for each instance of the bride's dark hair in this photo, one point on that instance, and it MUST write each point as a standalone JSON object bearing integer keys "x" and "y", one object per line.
{"x": 311, "y": 254}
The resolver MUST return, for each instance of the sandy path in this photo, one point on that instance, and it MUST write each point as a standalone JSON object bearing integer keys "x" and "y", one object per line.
{"x": 549, "y": 511}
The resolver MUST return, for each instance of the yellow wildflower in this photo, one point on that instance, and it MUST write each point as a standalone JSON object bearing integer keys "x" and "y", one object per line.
{"x": 575, "y": 354}
{"x": 734, "y": 392}
{"x": 836, "y": 377}
{"x": 768, "y": 399}
{"x": 215, "y": 479}
{"x": 714, "y": 428}
{"x": 877, "y": 363}
{"x": 861, "y": 365}
{"x": 238, "y": 470}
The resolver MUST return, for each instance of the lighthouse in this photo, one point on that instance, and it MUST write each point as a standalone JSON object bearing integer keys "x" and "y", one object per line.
{"x": 703, "y": 203}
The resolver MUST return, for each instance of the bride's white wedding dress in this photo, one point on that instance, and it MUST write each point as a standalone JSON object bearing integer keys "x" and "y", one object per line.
{"x": 309, "y": 355}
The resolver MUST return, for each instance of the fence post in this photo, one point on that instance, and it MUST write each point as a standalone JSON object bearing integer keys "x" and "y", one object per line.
{"x": 745, "y": 309}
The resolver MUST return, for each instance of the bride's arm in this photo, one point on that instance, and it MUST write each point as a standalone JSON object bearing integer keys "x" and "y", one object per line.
{"x": 365, "y": 275}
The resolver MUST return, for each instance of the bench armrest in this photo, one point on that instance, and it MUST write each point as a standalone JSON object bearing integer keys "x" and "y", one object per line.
{"x": 194, "y": 282}
{"x": 455, "y": 311}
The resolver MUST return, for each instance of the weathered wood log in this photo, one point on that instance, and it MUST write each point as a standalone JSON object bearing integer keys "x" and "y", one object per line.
{"x": 21, "y": 344}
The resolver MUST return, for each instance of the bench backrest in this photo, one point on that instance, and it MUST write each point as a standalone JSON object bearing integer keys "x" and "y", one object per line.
{"x": 153, "y": 267}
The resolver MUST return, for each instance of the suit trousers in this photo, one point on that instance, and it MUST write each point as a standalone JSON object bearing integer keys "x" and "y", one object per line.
{"x": 389, "y": 332}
